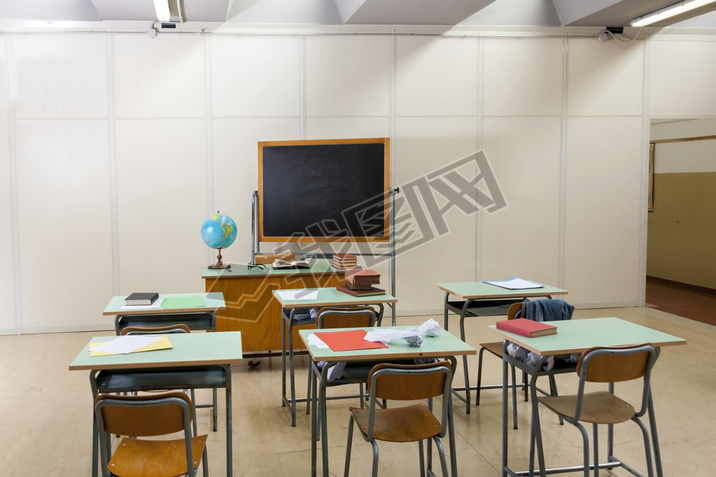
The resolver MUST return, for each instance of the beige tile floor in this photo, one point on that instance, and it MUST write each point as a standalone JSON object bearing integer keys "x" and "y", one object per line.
{"x": 45, "y": 412}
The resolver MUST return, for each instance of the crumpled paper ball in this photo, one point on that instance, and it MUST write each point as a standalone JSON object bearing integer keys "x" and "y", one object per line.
{"x": 430, "y": 328}
{"x": 415, "y": 340}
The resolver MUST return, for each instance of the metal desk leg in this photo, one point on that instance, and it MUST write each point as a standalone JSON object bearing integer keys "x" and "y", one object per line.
{"x": 283, "y": 361}
{"x": 451, "y": 429}
{"x": 504, "y": 409}
{"x": 229, "y": 438}
{"x": 314, "y": 418}
{"x": 323, "y": 417}
{"x": 466, "y": 370}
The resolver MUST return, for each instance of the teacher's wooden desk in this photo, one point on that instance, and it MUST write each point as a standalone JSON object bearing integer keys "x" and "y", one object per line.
{"x": 196, "y": 316}
{"x": 251, "y": 307}
{"x": 483, "y": 299}
{"x": 323, "y": 297}
{"x": 444, "y": 346}
{"x": 577, "y": 336}
{"x": 195, "y": 361}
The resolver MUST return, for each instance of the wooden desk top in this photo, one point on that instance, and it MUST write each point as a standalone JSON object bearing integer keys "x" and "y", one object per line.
{"x": 189, "y": 349}
{"x": 212, "y": 302}
{"x": 443, "y": 345}
{"x": 482, "y": 290}
{"x": 330, "y": 296}
{"x": 242, "y": 271}
{"x": 576, "y": 336}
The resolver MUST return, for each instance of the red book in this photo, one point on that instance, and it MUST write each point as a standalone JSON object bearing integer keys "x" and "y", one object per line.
{"x": 525, "y": 327}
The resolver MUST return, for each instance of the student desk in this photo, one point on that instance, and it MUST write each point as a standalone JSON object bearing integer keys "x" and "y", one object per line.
{"x": 196, "y": 360}
{"x": 444, "y": 345}
{"x": 483, "y": 299}
{"x": 325, "y": 297}
{"x": 251, "y": 308}
{"x": 577, "y": 336}
{"x": 196, "y": 318}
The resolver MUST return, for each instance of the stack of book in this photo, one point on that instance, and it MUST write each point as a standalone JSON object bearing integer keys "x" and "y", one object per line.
{"x": 344, "y": 261}
{"x": 360, "y": 283}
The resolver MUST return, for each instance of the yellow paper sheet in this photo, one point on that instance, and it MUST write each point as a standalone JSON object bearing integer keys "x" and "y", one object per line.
{"x": 162, "y": 343}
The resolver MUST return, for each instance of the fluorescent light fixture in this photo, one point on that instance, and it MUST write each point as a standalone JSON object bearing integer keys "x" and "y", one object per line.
{"x": 668, "y": 12}
{"x": 161, "y": 7}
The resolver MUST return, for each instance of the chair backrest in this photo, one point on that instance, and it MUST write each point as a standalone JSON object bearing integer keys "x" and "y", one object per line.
{"x": 619, "y": 364}
{"x": 614, "y": 365}
{"x": 158, "y": 330}
{"x": 546, "y": 309}
{"x": 357, "y": 317}
{"x": 144, "y": 416}
{"x": 513, "y": 310}
{"x": 408, "y": 382}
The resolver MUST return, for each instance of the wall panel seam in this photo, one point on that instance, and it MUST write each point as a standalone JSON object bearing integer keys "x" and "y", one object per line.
{"x": 13, "y": 187}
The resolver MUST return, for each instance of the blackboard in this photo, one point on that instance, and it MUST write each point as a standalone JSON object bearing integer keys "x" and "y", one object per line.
{"x": 324, "y": 190}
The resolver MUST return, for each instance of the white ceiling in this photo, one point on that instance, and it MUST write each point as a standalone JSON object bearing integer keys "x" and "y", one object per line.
{"x": 540, "y": 13}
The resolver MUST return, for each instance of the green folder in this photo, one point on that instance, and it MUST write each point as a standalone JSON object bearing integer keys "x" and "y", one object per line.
{"x": 178, "y": 302}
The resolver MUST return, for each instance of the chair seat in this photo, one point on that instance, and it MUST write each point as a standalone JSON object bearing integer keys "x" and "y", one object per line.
{"x": 400, "y": 424}
{"x": 171, "y": 454}
{"x": 597, "y": 408}
{"x": 494, "y": 347}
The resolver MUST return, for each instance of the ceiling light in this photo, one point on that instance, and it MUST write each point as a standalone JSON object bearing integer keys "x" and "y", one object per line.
{"x": 161, "y": 7}
{"x": 668, "y": 12}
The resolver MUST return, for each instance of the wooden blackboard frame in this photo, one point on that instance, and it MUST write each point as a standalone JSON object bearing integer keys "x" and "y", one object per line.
{"x": 271, "y": 149}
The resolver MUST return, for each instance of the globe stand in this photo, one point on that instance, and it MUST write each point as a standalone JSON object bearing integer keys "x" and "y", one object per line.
{"x": 219, "y": 263}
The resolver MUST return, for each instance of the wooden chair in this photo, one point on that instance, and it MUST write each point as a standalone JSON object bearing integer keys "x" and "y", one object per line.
{"x": 354, "y": 317}
{"x": 171, "y": 329}
{"x": 409, "y": 423}
{"x": 604, "y": 365}
{"x": 148, "y": 416}
{"x": 495, "y": 348}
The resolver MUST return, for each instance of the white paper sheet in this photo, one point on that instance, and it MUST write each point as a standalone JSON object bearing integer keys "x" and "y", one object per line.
{"x": 515, "y": 283}
{"x": 295, "y": 295}
{"x": 126, "y": 344}
{"x": 385, "y": 335}
{"x": 314, "y": 340}
{"x": 154, "y": 306}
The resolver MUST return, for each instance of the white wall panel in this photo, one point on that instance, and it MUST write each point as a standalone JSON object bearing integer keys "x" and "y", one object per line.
{"x": 161, "y": 204}
{"x": 235, "y": 173}
{"x": 523, "y": 239}
{"x": 346, "y": 128}
{"x": 436, "y": 76}
{"x": 603, "y": 216}
{"x": 681, "y": 78}
{"x": 522, "y": 77}
{"x": 63, "y": 181}
{"x": 605, "y": 78}
{"x": 255, "y": 76}
{"x": 423, "y": 145}
{"x": 347, "y": 76}
{"x": 7, "y": 265}
{"x": 60, "y": 75}
{"x": 163, "y": 77}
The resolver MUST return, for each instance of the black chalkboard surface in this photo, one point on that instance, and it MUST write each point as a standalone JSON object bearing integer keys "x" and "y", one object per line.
{"x": 324, "y": 190}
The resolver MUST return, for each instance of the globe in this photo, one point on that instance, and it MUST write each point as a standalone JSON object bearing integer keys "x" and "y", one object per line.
{"x": 218, "y": 231}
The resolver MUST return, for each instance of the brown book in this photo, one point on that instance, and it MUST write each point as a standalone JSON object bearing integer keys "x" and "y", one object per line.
{"x": 362, "y": 277}
{"x": 358, "y": 286}
{"x": 372, "y": 291}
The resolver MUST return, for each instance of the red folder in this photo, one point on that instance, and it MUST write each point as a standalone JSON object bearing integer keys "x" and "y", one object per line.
{"x": 350, "y": 340}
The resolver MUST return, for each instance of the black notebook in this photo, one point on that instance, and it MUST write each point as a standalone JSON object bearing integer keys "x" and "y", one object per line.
{"x": 141, "y": 299}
